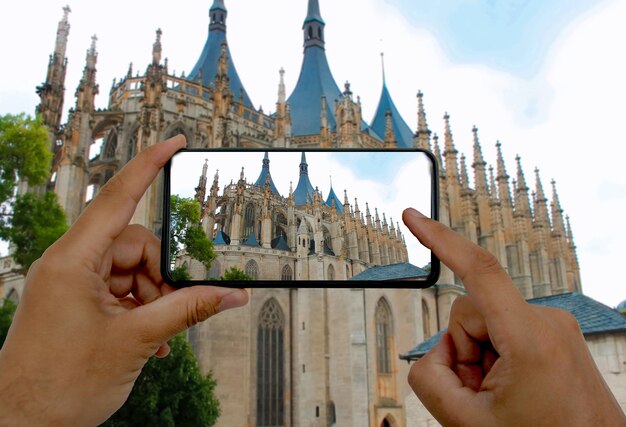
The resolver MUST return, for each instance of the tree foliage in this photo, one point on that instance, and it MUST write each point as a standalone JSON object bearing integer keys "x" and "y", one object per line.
{"x": 235, "y": 274}
{"x": 36, "y": 223}
{"x": 7, "y": 310}
{"x": 24, "y": 153}
{"x": 186, "y": 233}
{"x": 170, "y": 392}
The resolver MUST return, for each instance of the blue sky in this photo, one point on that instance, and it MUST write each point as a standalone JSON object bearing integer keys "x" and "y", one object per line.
{"x": 511, "y": 35}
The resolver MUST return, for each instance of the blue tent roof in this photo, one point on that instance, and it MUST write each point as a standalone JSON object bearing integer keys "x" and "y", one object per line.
{"x": 252, "y": 241}
{"x": 404, "y": 136}
{"x": 304, "y": 191}
{"x": 265, "y": 172}
{"x": 280, "y": 243}
{"x": 593, "y": 318}
{"x": 221, "y": 238}
{"x": 210, "y": 57}
{"x": 305, "y": 102}
{"x": 399, "y": 271}
{"x": 333, "y": 197}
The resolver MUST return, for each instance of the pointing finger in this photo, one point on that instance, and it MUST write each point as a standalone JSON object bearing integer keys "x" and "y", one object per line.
{"x": 487, "y": 284}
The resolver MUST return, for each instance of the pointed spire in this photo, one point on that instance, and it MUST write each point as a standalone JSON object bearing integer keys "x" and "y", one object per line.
{"x": 437, "y": 152}
{"x": 304, "y": 167}
{"x": 345, "y": 198}
{"x": 558, "y": 227}
{"x": 450, "y": 152}
{"x": 493, "y": 190}
{"x": 504, "y": 191}
{"x": 570, "y": 235}
{"x": 541, "y": 202}
{"x": 480, "y": 174}
{"x": 157, "y": 48}
{"x": 282, "y": 95}
{"x": 52, "y": 91}
{"x": 422, "y": 135}
{"x": 218, "y": 15}
{"x": 88, "y": 88}
{"x": 382, "y": 60}
{"x": 313, "y": 26}
{"x": 522, "y": 203}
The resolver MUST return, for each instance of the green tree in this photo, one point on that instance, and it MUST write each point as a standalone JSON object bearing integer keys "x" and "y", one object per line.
{"x": 170, "y": 392}
{"x": 37, "y": 222}
{"x": 24, "y": 153}
{"x": 7, "y": 310}
{"x": 32, "y": 222}
{"x": 234, "y": 274}
{"x": 187, "y": 234}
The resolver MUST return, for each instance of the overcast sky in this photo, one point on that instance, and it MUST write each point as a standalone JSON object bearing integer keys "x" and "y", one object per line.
{"x": 544, "y": 78}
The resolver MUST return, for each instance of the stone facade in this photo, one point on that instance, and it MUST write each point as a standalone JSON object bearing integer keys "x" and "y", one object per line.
{"x": 338, "y": 348}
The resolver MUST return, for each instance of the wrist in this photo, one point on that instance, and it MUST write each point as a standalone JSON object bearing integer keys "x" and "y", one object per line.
{"x": 25, "y": 400}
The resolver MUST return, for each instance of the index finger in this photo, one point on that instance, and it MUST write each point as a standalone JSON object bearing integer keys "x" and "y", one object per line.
{"x": 489, "y": 287}
{"x": 111, "y": 210}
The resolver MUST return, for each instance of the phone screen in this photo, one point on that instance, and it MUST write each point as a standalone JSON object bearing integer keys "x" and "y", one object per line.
{"x": 258, "y": 218}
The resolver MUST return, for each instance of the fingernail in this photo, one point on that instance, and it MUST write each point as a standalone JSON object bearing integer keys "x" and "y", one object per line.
{"x": 233, "y": 298}
{"x": 414, "y": 213}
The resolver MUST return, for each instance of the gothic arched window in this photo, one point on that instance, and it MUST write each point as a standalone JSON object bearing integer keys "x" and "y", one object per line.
{"x": 384, "y": 334}
{"x": 252, "y": 269}
{"x": 110, "y": 147}
{"x": 287, "y": 273}
{"x": 270, "y": 407}
{"x": 331, "y": 273}
{"x": 216, "y": 270}
{"x": 132, "y": 145}
{"x": 248, "y": 221}
{"x": 425, "y": 319}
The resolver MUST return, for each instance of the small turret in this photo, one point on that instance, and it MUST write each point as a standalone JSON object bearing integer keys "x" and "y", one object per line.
{"x": 522, "y": 203}
{"x": 479, "y": 165}
{"x": 390, "y": 136}
{"x": 450, "y": 153}
{"x": 558, "y": 228}
{"x": 541, "y": 203}
{"x": 52, "y": 91}
{"x": 313, "y": 26}
{"x": 504, "y": 191}
{"x": 464, "y": 175}
{"x": 201, "y": 188}
{"x": 88, "y": 88}
{"x": 157, "y": 48}
{"x": 422, "y": 136}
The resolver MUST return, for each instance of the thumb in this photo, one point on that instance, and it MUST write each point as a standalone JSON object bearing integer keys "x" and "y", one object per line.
{"x": 435, "y": 383}
{"x": 173, "y": 313}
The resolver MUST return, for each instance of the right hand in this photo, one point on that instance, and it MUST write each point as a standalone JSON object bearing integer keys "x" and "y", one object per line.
{"x": 504, "y": 361}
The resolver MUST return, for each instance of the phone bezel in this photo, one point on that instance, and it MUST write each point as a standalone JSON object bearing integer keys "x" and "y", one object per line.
{"x": 413, "y": 283}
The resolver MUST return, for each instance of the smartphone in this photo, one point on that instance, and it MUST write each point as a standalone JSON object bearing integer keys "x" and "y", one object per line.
{"x": 321, "y": 218}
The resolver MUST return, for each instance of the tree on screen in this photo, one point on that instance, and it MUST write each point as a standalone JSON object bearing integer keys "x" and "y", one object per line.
{"x": 187, "y": 236}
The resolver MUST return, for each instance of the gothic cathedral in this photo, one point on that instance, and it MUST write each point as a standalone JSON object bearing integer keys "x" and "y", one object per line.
{"x": 303, "y": 356}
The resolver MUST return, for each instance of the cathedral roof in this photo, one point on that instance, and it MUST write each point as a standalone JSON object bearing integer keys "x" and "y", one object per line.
{"x": 265, "y": 173}
{"x": 304, "y": 191}
{"x": 332, "y": 197}
{"x": 404, "y": 136}
{"x": 400, "y": 271}
{"x": 209, "y": 58}
{"x": 593, "y": 318}
{"x": 252, "y": 241}
{"x": 221, "y": 238}
{"x": 315, "y": 80}
{"x": 280, "y": 243}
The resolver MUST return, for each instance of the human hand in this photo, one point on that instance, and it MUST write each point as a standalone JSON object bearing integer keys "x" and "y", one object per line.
{"x": 95, "y": 308}
{"x": 504, "y": 361}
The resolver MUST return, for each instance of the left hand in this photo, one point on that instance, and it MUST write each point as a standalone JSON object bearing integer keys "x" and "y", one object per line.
{"x": 95, "y": 309}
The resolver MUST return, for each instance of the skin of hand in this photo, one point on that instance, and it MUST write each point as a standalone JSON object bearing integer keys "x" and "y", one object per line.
{"x": 95, "y": 309}
{"x": 504, "y": 362}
